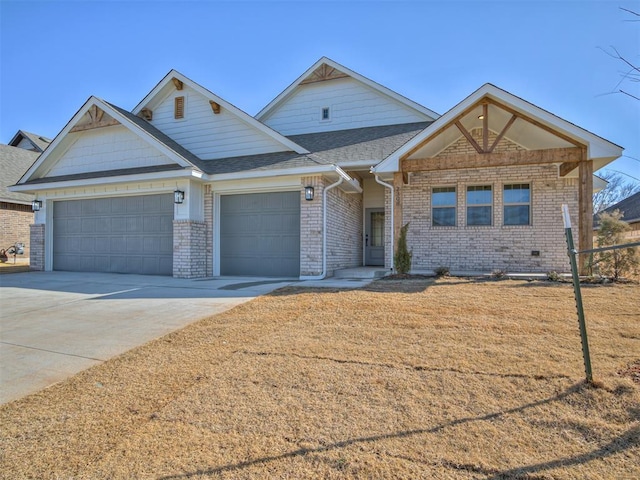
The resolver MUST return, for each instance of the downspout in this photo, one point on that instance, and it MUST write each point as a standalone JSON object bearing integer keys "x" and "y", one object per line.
{"x": 390, "y": 187}
{"x": 325, "y": 207}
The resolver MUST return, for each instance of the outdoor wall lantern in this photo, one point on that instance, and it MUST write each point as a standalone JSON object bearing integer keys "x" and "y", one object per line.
{"x": 178, "y": 196}
{"x": 36, "y": 205}
{"x": 308, "y": 193}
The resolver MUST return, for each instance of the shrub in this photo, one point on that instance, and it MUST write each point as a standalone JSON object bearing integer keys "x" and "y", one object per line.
{"x": 553, "y": 276}
{"x": 614, "y": 263}
{"x": 498, "y": 274}
{"x": 442, "y": 271}
{"x": 402, "y": 258}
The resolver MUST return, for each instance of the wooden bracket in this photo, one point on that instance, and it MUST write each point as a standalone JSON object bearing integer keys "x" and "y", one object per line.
{"x": 96, "y": 120}
{"x": 566, "y": 168}
{"x": 468, "y": 136}
{"x": 147, "y": 114}
{"x": 177, "y": 83}
{"x": 214, "y": 106}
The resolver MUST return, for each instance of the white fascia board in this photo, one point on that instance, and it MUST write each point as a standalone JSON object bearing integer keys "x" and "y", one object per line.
{"x": 124, "y": 121}
{"x": 88, "y": 182}
{"x": 266, "y": 111}
{"x": 241, "y": 115}
{"x": 597, "y": 147}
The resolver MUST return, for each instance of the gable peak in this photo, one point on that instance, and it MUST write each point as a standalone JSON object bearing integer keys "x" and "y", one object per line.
{"x": 323, "y": 73}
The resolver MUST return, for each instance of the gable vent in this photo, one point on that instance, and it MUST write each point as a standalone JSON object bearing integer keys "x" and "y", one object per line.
{"x": 178, "y": 111}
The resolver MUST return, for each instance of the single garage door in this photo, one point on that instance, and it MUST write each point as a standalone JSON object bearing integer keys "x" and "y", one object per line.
{"x": 119, "y": 234}
{"x": 260, "y": 234}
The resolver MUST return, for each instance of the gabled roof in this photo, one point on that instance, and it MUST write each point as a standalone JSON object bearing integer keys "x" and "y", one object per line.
{"x": 365, "y": 146}
{"x": 39, "y": 142}
{"x": 14, "y": 162}
{"x": 629, "y": 207}
{"x": 134, "y": 124}
{"x": 597, "y": 147}
{"x": 327, "y": 68}
{"x": 162, "y": 89}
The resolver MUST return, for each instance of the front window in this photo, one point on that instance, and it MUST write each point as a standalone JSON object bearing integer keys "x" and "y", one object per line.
{"x": 443, "y": 206}
{"x": 479, "y": 205}
{"x": 517, "y": 204}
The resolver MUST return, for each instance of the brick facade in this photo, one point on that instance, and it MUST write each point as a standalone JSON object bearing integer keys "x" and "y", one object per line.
{"x": 344, "y": 228}
{"x": 208, "y": 220}
{"x": 14, "y": 226}
{"x": 36, "y": 256}
{"x": 537, "y": 247}
{"x": 189, "y": 247}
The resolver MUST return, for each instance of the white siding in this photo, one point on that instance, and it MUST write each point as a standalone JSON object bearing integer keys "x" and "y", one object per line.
{"x": 107, "y": 148}
{"x": 207, "y": 135}
{"x": 373, "y": 193}
{"x": 352, "y": 105}
{"x": 25, "y": 143}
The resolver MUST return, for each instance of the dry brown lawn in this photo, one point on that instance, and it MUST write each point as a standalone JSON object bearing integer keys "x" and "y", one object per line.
{"x": 443, "y": 379}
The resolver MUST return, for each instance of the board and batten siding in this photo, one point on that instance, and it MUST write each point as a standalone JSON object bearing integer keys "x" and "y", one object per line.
{"x": 351, "y": 104}
{"x": 107, "y": 148}
{"x": 209, "y": 135}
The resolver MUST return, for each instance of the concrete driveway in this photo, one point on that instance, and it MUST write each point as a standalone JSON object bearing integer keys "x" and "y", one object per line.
{"x": 55, "y": 324}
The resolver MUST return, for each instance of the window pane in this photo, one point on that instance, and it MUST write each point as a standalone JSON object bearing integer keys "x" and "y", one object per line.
{"x": 377, "y": 229}
{"x": 516, "y": 194}
{"x": 444, "y": 197}
{"x": 444, "y": 217}
{"x": 479, "y": 215}
{"x": 479, "y": 195}
{"x": 516, "y": 215}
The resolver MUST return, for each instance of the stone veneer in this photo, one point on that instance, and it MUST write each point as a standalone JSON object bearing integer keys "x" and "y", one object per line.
{"x": 189, "y": 247}
{"x": 36, "y": 255}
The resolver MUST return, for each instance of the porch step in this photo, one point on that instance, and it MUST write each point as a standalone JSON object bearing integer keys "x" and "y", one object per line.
{"x": 360, "y": 272}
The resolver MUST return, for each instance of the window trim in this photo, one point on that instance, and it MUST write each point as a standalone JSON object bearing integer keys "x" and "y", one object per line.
{"x": 490, "y": 205}
{"x": 328, "y": 110}
{"x": 454, "y": 206}
{"x": 517, "y": 204}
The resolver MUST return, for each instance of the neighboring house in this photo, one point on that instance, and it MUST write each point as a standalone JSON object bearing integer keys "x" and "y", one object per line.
{"x": 15, "y": 207}
{"x": 188, "y": 185}
{"x": 29, "y": 141}
{"x": 630, "y": 210}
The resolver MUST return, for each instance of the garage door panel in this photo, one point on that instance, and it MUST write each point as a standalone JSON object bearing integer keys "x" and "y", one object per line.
{"x": 260, "y": 234}
{"x": 120, "y": 234}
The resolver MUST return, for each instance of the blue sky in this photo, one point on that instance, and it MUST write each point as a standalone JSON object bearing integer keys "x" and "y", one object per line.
{"x": 55, "y": 54}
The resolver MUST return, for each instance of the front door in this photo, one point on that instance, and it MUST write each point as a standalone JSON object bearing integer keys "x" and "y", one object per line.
{"x": 374, "y": 237}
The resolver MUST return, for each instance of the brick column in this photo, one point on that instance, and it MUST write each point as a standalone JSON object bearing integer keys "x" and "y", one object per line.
{"x": 36, "y": 254}
{"x": 208, "y": 220}
{"x": 311, "y": 228}
{"x": 189, "y": 247}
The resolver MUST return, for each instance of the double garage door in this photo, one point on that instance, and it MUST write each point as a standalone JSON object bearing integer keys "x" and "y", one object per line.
{"x": 119, "y": 235}
{"x": 259, "y": 234}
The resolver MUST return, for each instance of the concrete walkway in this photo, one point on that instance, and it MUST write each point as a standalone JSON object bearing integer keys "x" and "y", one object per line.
{"x": 55, "y": 324}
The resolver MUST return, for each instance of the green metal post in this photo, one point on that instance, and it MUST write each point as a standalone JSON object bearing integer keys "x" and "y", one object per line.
{"x": 578, "y": 294}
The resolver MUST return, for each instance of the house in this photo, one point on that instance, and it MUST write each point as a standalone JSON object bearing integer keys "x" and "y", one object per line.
{"x": 322, "y": 178}
{"x": 29, "y": 141}
{"x": 630, "y": 210}
{"x": 15, "y": 207}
